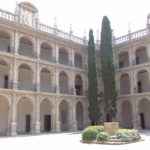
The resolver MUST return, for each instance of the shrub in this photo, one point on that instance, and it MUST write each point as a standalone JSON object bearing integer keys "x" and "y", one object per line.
{"x": 102, "y": 136}
{"x": 98, "y": 128}
{"x": 126, "y": 135}
{"x": 89, "y": 134}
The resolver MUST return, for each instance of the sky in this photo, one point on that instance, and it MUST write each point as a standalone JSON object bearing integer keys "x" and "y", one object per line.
{"x": 83, "y": 15}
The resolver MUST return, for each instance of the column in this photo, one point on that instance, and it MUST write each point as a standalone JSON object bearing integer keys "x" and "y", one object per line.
{"x": 58, "y": 128}
{"x": 73, "y": 120}
{"x": 16, "y": 43}
{"x": 71, "y": 57}
{"x": 57, "y": 54}
{"x": 37, "y": 116}
{"x": 15, "y": 75}
{"x": 72, "y": 83}
{"x": 13, "y": 116}
{"x": 57, "y": 81}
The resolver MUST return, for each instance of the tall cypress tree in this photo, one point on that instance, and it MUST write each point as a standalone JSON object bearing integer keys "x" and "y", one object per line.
{"x": 94, "y": 112}
{"x": 107, "y": 70}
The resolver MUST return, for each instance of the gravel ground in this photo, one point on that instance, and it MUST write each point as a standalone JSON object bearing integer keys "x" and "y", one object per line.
{"x": 66, "y": 141}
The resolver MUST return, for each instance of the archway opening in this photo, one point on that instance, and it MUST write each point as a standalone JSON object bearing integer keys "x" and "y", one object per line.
{"x": 45, "y": 116}
{"x": 45, "y": 80}
{"x": 25, "y": 78}
{"x": 5, "y": 42}
{"x": 141, "y": 55}
{"x": 64, "y": 115}
{"x": 46, "y": 52}
{"x": 78, "y": 60}
{"x": 4, "y": 113}
{"x": 24, "y": 116}
{"x": 144, "y": 113}
{"x": 79, "y": 116}
{"x": 142, "y": 81}
{"x": 63, "y": 56}
{"x": 126, "y": 115}
{"x": 63, "y": 83}
{"x": 123, "y": 59}
{"x": 26, "y": 47}
{"x": 78, "y": 85}
{"x": 124, "y": 84}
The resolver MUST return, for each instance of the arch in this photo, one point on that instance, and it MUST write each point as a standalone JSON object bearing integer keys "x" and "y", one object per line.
{"x": 4, "y": 113}
{"x": 45, "y": 80}
{"x": 141, "y": 55}
{"x": 46, "y": 52}
{"x": 5, "y": 41}
{"x": 24, "y": 115}
{"x": 63, "y": 56}
{"x": 78, "y": 60}
{"x": 126, "y": 114}
{"x": 46, "y": 115}
{"x": 144, "y": 113}
{"x": 63, "y": 83}
{"x": 4, "y": 74}
{"x": 25, "y": 77}
{"x": 124, "y": 84}
{"x": 78, "y": 85}
{"x": 123, "y": 59}
{"x": 26, "y": 47}
{"x": 79, "y": 116}
{"x": 64, "y": 115}
{"x": 142, "y": 81}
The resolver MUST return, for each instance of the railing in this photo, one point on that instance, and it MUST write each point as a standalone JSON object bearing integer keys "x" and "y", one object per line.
{"x": 47, "y": 88}
{"x": 43, "y": 28}
{"x": 132, "y": 36}
{"x": 26, "y": 86}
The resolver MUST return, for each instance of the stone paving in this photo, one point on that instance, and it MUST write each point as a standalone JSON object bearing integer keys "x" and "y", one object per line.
{"x": 66, "y": 141}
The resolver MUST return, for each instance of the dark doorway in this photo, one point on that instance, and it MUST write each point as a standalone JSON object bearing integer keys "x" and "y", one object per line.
{"x": 142, "y": 120}
{"x": 28, "y": 123}
{"x": 47, "y": 123}
{"x": 6, "y": 82}
{"x": 139, "y": 87}
{"x": 108, "y": 118}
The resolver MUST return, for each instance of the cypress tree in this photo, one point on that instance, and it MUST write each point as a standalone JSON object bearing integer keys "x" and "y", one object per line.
{"x": 107, "y": 70}
{"x": 94, "y": 112}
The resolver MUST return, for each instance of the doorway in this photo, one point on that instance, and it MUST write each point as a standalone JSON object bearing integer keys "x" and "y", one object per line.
{"x": 28, "y": 123}
{"x": 47, "y": 123}
{"x": 142, "y": 120}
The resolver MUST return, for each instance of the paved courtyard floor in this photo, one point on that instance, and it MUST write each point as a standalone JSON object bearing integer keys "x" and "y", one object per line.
{"x": 66, "y": 141}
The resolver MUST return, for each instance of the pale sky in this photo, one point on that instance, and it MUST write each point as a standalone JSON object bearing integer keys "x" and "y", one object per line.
{"x": 86, "y": 14}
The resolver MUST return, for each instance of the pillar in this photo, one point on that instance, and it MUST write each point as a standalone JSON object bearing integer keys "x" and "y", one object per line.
{"x": 58, "y": 128}
{"x": 57, "y": 53}
{"x": 57, "y": 81}
{"x": 13, "y": 116}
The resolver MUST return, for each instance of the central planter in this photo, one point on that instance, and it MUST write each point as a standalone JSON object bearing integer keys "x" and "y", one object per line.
{"x": 111, "y": 127}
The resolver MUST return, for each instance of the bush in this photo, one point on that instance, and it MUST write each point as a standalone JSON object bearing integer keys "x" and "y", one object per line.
{"x": 89, "y": 134}
{"x": 98, "y": 128}
{"x": 102, "y": 136}
{"x": 126, "y": 135}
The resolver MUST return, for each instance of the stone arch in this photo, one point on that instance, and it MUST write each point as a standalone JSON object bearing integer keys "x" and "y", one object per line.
{"x": 141, "y": 55}
{"x": 78, "y": 60}
{"x": 78, "y": 85}
{"x": 45, "y": 80}
{"x": 4, "y": 74}
{"x": 25, "y": 77}
{"x": 5, "y": 41}
{"x": 126, "y": 114}
{"x": 64, "y": 115}
{"x": 124, "y": 84}
{"x": 26, "y": 47}
{"x": 4, "y": 115}
{"x": 144, "y": 113}
{"x": 24, "y": 115}
{"x": 46, "y": 115}
{"x": 80, "y": 115}
{"x": 46, "y": 51}
{"x": 63, "y": 56}
{"x": 142, "y": 81}
{"x": 63, "y": 82}
{"x": 123, "y": 59}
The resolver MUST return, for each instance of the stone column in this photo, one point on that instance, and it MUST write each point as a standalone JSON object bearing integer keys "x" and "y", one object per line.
{"x": 73, "y": 121}
{"x": 57, "y": 81}
{"x": 37, "y": 116}
{"x": 72, "y": 83}
{"x": 15, "y": 75}
{"x": 13, "y": 117}
{"x": 16, "y": 43}
{"x": 72, "y": 57}
{"x": 57, "y": 54}
{"x": 58, "y": 128}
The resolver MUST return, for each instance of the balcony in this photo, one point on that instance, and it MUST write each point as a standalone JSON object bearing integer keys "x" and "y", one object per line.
{"x": 47, "y": 88}
{"x": 26, "y": 86}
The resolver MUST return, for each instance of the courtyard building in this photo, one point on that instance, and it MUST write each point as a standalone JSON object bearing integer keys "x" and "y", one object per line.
{"x": 43, "y": 75}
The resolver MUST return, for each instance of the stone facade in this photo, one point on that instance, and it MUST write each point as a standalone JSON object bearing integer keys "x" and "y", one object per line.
{"x": 132, "y": 56}
{"x": 43, "y": 76}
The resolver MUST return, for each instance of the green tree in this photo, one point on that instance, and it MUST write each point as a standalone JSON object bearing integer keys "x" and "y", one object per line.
{"x": 107, "y": 70}
{"x": 94, "y": 112}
